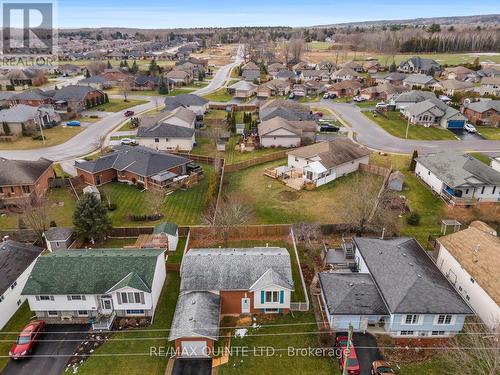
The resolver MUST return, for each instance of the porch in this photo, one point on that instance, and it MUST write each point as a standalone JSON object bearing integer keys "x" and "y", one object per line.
{"x": 103, "y": 322}
{"x": 454, "y": 197}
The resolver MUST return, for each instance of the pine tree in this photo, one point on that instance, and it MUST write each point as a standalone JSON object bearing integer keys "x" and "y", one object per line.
{"x": 135, "y": 68}
{"x": 90, "y": 219}
{"x": 413, "y": 162}
{"x": 125, "y": 65}
{"x": 162, "y": 86}
{"x": 393, "y": 67}
{"x": 109, "y": 65}
{"x": 87, "y": 73}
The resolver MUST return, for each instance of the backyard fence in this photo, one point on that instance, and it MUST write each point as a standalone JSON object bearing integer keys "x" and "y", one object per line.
{"x": 197, "y": 158}
{"x": 299, "y": 306}
{"x": 255, "y": 161}
{"x": 374, "y": 169}
{"x": 242, "y": 232}
{"x": 125, "y": 232}
{"x": 233, "y": 106}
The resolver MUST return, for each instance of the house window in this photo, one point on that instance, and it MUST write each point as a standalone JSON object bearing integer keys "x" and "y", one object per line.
{"x": 296, "y": 159}
{"x": 272, "y": 311}
{"x": 411, "y": 319}
{"x": 52, "y": 313}
{"x": 44, "y": 298}
{"x": 58, "y": 244}
{"x": 76, "y": 298}
{"x": 444, "y": 319}
{"x": 272, "y": 297}
{"x": 157, "y": 140}
{"x": 131, "y": 297}
{"x": 438, "y": 333}
{"x": 494, "y": 189}
{"x": 83, "y": 313}
{"x": 18, "y": 302}
{"x": 466, "y": 191}
{"x": 13, "y": 285}
{"x": 2, "y": 298}
{"x": 472, "y": 280}
{"x": 26, "y": 189}
{"x": 1, "y": 190}
{"x": 166, "y": 139}
{"x": 407, "y": 333}
{"x": 482, "y": 190}
{"x": 135, "y": 312}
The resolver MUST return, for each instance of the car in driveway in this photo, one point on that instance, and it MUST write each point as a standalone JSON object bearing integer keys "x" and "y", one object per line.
{"x": 127, "y": 141}
{"x": 73, "y": 123}
{"x": 359, "y": 99}
{"x": 381, "y": 105}
{"x": 27, "y": 339}
{"x": 469, "y": 128}
{"x": 352, "y": 362}
{"x": 381, "y": 368}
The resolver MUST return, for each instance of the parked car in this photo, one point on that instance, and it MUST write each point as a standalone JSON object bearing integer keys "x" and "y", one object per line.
{"x": 326, "y": 96}
{"x": 328, "y": 128}
{"x": 381, "y": 368}
{"x": 27, "y": 339}
{"x": 381, "y": 105}
{"x": 291, "y": 96}
{"x": 333, "y": 96}
{"x": 127, "y": 141}
{"x": 359, "y": 99}
{"x": 73, "y": 123}
{"x": 469, "y": 128}
{"x": 318, "y": 114}
{"x": 352, "y": 362}
{"x": 129, "y": 113}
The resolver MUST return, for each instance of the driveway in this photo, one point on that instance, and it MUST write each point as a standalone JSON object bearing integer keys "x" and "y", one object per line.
{"x": 50, "y": 358}
{"x": 374, "y": 137}
{"x": 466, "y": 136}
{"x": 367, "y": 352}
{"x": 184, "y": 366}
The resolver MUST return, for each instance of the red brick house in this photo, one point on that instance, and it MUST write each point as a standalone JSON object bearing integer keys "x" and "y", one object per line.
{"x": 136, "y": 165}
{"x": 77, "y": 98}
{"x": 234, "y": 282}
{"x": 20, "y": 179}
{"x": 483, "y": 112}
{"x": 345, "y": 88}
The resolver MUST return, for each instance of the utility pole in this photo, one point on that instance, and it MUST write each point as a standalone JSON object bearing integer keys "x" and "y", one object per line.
{"x": 407, "y": 127}
{"x": 347, "y": 352}
{"x": 40, "y": 124}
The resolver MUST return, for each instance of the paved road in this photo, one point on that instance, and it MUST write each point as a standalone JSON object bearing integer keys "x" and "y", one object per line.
{"x": 373, "y": 136}
{"x": 86, "y": 141}
{"x": 53, "y": 356}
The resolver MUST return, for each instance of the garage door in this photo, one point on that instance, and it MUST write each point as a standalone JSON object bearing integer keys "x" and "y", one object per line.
{"x": 456, "y": 124}
{"x": 194, "y": 348}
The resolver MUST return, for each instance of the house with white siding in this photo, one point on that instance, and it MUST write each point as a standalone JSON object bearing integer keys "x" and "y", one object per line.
{"x": 95, "y": 286}
{"x": 396, "y": 287}
{"x": 469, "y": 260}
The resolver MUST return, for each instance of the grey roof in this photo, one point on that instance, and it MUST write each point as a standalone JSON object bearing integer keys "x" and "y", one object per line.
{"x": 22, "y": 172}
{"x": 234, "y": 269}
{"x": 351, "y": 294}
{"x": 93, "y": 79}
{"x": 414, "y": 96}
{"x": 422, "y": 63}
{"x": 184, "y": 100}
{"x": 73, "y": 92}
{"x": 140, "y": 160}
{"x": 395, "y": 76}
{"x": 456, "y": 169}
{"x": 164, "y": 130}
{"x": 419, "y": 79}
{"x": 197, "y": 314}
{"x": 286, "y": 113}
{"x": 15, "y": 257}
{"x": 35, "y": 94}
{"x": 166, "y": 227}
{"x": 243, "y": 85}
{"x": 407, "y": 278}
{"x": 285, "y": 74}
{"x": 18, "y": 113}
{"x": 484, "y": 105}
{"x": 58, "y": 233}
{"x": 435, "y": 106}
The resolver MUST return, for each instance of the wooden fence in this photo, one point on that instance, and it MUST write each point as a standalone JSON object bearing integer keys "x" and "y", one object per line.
{"x": 242, "y": 232}
{"x": 137, "y": 231}
{"x": 374, "y": 169}
{"x": 233, "y": 106}
{"x": 256, "y": 161}
{"x": 299, "y": 306}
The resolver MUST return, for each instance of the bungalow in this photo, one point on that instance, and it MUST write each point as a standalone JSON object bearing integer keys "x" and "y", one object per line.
{"x": 345, "y": 74}
{"x": 417, "y": 64}
{"x": 419, "y": 81}
{"x": 164, "y": 135}
{"x": 250, "y": 72}
{"x": 189, "y": 67}
{"x": 316, "y": 75}
{"x": 459, "y": 178}
{"x": 16, "y": 262}
{"x": 221, "y": 282}
{"x": 242, "y": 89}
{"x": 459, "y": 73}
{"x": 116, "y": 76}
{"x": 286, "y": 75}
{"x": 69, "y": 70}
{"x": 326, "y": 65}
{"x": 300, "y": 66}
{"x": 345, "y": 88}
{"x": 95, "y": 286}
{"x": 313, "y": 88}
{"x": 372, "y": 67}
{"x": 96, "y": 82}
{"x": 35, "y": 97}
{"x": 194, "y": 103}
{"x": 77, "y": 98}
{"x": 24, "y": 119}
{"x": 144, "y": 82}
{"x": 275, "y": 87}
{"x": 469, "y": 260}
{"x": 287, "y": 109}
{"x": 180, "y": 116}
{"x": 452, "y": 86}
{"x": 275, "y": 68}
{"x": 7, "y": 99}
{"x": 279, "y": 132}
{"x": 406, "y": 99}
{"x": 434, "y": 112}
{"x": 483, "y": 112}
{"x": 357, "y": 67}
{"x": 490, "y": 86}
{"x": 21, "y": 179}
{"x": 394, "y": 78}
{"x": 58, "y": 238}
{"x": 179, "y": 77}
{"x": 134, "y": 165}
{"x": 323, "y": 162}
{"x": 422, "y": 303}
{"x": 382, "y": 91}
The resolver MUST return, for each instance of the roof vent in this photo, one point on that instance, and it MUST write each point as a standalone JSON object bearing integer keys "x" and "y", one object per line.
{"x": 410, "y": 263}
{"x": 193, "y": 302}
{"x": 419, "y": 275}
{"x": 351, "y": 284}
{"x": 404, "y": 254}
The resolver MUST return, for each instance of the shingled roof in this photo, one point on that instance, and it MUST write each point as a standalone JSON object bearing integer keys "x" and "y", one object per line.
{"x": 22, "y": 172}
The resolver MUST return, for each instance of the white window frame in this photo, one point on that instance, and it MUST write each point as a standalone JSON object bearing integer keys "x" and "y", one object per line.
{"x": 451, "y": 322}
{"x": 413, "y": 333}
{"x": 273, "y": 294}
{"x": 417, "y": 319}
{"x": 51, "y": 313}
{"x": 45, "y": 298}
{"x": 79, "y": 313}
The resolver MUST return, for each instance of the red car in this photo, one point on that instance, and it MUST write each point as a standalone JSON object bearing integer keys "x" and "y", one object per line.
{"x": 129, "y": 113}
{"x": 27, "y": 339}
{"x": 352, "y": 362}
{"x": 318, "y": 114}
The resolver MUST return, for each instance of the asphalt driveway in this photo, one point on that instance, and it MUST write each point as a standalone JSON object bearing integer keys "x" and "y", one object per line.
{"x": 192, "y": 366}
{"x": 366, "y": 350}
{"x": 50, "y": 357}
{"x": 466, "y": 136}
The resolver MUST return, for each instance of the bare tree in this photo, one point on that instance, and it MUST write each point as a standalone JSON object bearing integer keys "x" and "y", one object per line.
{"x": 297, "y": 48}
{"x": 307, "y": 233}
{"x": 100, "y": 142}
{"x": 125, "y": 88}
{"x": 35, "y": 214}
{"x": 225, "y": 218}
{"x": 96, "y": 68}
{"x": 154, "y": 200}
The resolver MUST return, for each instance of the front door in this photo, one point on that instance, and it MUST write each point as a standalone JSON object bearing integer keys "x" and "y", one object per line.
{"x": 245, "y": 305}
{"x": 97, "y": 180}
{"x": 106, "y": 305}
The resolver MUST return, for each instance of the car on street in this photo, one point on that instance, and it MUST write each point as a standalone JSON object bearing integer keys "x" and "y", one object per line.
{"x": 381, "y": 368}
{"x": 318, "y": 114}
{"x": 381, "y": 105}
{"x": 27, "y": 339}
{"x": 129, "y": 113}
{"x": 291, "y": 96}
{"x": 326, "y": 96}
{"x": 127, "y": 141}
{"x": 469, "y": 128}
{"x": 73, "y": 123}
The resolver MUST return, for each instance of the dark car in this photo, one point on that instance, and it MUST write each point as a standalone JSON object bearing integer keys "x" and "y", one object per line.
{"x": 129, "y": 113}
{"x": 328, "y": 128}
{"x": 381, "y": 368}
{"x": 27, "y": 339}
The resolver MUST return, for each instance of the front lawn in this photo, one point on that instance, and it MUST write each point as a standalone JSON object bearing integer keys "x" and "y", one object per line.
{"x": 133, "y": 356}
{"x": 54, "y": 136}
{"x": 274, "y": 202}
{"x": 280, "y": 333}
{"x": 221, "y": 95}
{"x": 117, "y": 105}
{"x": 396, "y": 126}
{"x": 489, "y": 132}
{"x": 367, "y": 104}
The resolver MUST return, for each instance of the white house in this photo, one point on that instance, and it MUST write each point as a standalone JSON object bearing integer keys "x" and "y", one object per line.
{"x": 95, "y": 286}
{"x": 279, "y": 132}
{"x": 323, "y": 162}
{"x": 470, "y": 260}
{"x": 16, "y": 262}
{"x": 58, "y": 238}
{"x": 459, "y": 178}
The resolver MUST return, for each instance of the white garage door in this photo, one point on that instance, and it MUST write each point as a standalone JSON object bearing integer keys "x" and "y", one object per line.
{"x": 194, "y": 348}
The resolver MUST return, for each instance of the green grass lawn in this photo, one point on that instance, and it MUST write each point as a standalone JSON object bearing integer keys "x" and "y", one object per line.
{"x": 117, "y": 105}
{"x": 367, "y": 104}
{"x": 221, "y": 95}
{"x": 309, "y": 99}
{"x": 144, "y": 363}
{"x": 183, "y": 207}
{"x": 215, "y": 114}
{"x": 281, "y": 337}
{"x": 435, "y": 366}
{"x": 319, "y": 46}
{"x": 274, "y": 203}
{"x": 15, "y": 324}
{"x": 176, "y": 257}
{"x": 53, "y": 137}
{"x": 489, "y": 133}
{"x": 396, "y": 126}
{"x": 481, "y": 157}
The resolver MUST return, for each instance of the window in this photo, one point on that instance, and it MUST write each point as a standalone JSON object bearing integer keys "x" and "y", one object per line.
{"x": 76, "y": 298}
{"x": 18, "y": 302}
{"x": 2, "y": 298}
{"x": 272, "y": 311}
{"x": 52, "y": 313}
{"x": 444, "y": 319}
{"x": 131, "y": 297}
{"x": 411, "y": 319}
{"x": 13, "y": 285}
{"x": 157, "y": 140}
{"x": 26, "y": 189}
{"x": 296, "y": 159}
{"x": 83, "y": 313}
{"x": 135, "y": 312}
{"x": 58, "y": 244}
{"x": 407, "y": 333}
{"x": 472, "y": 280}
{"x": 166, "y": 139}
{"x": 272, "y": 296}
{"x": 466, "y": 191}
{"x": 494, "y": 189}
{"x": 140, "y": 178}
{"x": 438, "y": 333}
{"x": 44, "y": 298}
{"x": 482, "y": 190}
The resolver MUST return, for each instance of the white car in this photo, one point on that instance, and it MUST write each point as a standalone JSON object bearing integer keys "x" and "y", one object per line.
{"x": 127, "y": 141}
{"x": 469, "y": 128}
{"x": 381, "y": 105}
{"x": 359, "y": 99}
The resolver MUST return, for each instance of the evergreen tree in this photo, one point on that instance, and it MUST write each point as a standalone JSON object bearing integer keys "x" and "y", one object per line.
{"x": 87, "y": 73}
{"x": 393, "y": 67}
{"x": 125, "y": 65}
{"x": 153, "y": 68}
{"x": 135, "y": 68}
{"x": 90, "y": 219}
{"x": 109, "y": 65}
{"x": 162, "y": 86}
{"x": 106, "y": 98}
{"x": 413, "y": 162}
{"x": 200, "y": 76}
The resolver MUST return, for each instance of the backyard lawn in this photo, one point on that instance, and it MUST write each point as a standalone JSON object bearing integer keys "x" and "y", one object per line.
{"x": 54, "y": 136}
{"x": 274, "y": 203}
{"x": 109, "y": 358}
{"x": 281, "y": 333}
{"x": 396, "y": 126}
{"x": 489, "y": 133}
{"x": 221, "y": 95}
{"x": 117, "y": 105}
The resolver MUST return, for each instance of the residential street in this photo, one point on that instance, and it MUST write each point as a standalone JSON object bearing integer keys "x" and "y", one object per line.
{"x": 373, "y": 136}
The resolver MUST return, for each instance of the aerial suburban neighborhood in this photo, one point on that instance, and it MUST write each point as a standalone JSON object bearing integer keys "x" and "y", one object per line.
{"x": 193, "y": 189}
